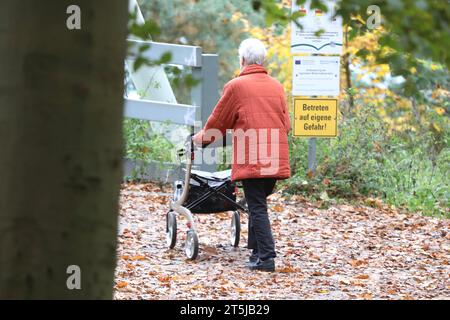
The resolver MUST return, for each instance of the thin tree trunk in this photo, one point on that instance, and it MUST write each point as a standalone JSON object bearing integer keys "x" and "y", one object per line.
{"x": 61, "y": 100}
{"x": 348, "y": 75}
{"x": 415, "y": 111}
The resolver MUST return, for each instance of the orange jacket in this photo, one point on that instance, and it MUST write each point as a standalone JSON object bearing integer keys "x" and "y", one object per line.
{"x": 254, "y": 106}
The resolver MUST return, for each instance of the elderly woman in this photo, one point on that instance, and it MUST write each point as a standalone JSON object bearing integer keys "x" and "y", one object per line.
{"x": 254, "y": 106}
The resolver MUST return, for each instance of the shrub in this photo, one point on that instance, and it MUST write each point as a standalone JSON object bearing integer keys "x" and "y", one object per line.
{"x": 367, "y": 160}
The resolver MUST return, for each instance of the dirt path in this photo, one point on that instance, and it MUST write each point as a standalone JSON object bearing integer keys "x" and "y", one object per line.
{"x": 343, "y": 252}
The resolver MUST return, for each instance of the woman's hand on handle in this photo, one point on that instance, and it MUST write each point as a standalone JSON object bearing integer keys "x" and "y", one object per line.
{"x": 198, "y": 138}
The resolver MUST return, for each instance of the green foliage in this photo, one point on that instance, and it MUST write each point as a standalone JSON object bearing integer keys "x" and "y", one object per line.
{"x": 278, "y": 13}
{"x": 140, "y": 60}
{"x": 143, "y": 146}
{"x": 364, "y": 160}
{"x": 414, "y": 30}
{"x": 349, "y": 171}
{"x": 417, "y": 28}
{"x": 181, "y": 81}
{"x": 273, "y": 12}
{"x": 215, "y": 25}
{"x": 416, "y": 182}
{"x": 425, "y": 77}
{"x": 144, "y": 31}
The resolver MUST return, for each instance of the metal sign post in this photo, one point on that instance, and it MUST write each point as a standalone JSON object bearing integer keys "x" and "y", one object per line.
{"x": 312, "y": 163}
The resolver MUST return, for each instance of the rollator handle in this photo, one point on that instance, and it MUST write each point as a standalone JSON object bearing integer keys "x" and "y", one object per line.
{"x": 204, "y": 145}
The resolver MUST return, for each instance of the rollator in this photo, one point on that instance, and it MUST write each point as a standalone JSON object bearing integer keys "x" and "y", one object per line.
{"x": 202, "y": 192}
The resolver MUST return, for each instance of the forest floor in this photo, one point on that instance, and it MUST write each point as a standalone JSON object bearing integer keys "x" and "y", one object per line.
{"x": 342, "y": 252}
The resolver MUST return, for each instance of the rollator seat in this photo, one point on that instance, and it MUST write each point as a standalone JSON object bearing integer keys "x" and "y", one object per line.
{"x": 201, "y": 185}
{"x": 219, "y": 175}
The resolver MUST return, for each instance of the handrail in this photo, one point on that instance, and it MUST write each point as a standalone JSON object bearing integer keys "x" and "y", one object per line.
{"x": 190, "y": 56}
{"x": 160, "y": 111}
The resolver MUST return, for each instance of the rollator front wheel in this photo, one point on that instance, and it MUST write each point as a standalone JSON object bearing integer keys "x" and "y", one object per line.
{"x": 191, "y": 247}
{"x": 171, "y": 229}
{"x": 235, "y": 229}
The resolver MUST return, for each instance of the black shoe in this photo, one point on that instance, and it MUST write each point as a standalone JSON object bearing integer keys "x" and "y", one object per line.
{"x": 263, "y": 265}
{"x": 253, "y": 258}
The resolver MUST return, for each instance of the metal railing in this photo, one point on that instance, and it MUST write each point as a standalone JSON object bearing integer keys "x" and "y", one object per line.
{"x": 204, "y": 95}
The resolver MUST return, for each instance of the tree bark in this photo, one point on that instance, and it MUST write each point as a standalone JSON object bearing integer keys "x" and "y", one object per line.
{"x": 348, "y": 75}
{"x": 61, "y": 107}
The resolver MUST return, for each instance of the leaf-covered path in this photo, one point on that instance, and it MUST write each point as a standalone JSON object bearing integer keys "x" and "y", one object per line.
{"x": 342, "y": 252}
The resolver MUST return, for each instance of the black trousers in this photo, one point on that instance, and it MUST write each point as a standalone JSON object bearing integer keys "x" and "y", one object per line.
{"x": 260, "y": 237}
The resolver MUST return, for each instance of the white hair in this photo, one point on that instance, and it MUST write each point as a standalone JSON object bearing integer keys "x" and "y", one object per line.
{"x": 253, "y": 51}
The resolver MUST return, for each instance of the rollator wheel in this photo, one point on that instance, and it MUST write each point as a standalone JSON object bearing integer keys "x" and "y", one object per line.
{"x": 191, "y": 247}
{"x": 171, "y": 229}
{"x": 235, "y": 229}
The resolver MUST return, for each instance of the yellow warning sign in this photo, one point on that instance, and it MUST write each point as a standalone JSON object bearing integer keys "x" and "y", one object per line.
{"x": 315, "y": 117}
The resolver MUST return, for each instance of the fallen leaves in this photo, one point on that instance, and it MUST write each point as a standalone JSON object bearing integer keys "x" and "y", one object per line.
{"x": 278, "y": 208}
{"x": 122, "y": 284}
{"x": 164, "y": 278}
{"x": 138, "y": 257}
{"x": 358, "y": 263}
{"x": 367, "y": 296}
{"x": 392, "y": 291}
{"x": 374, "y": 202}
{"x": 342, "y": 252}
{"x": 209, "y": 250}
{"x": 287, "y": 269}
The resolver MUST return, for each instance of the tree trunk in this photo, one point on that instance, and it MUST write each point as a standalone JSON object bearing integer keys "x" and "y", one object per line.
{"x": 61, "y": 101}
{"x": 348, "y": 76}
